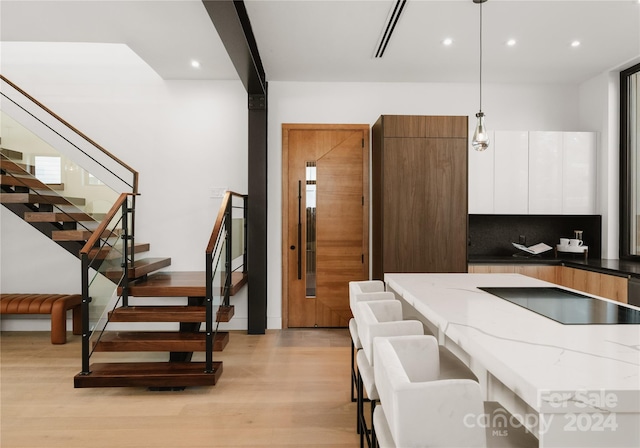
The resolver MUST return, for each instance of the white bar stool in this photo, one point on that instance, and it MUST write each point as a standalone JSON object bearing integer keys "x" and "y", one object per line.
{"x": 417, "y": 409}
{"x": 361, "y": 291}
{"x": 374, "y": 290}
{"x": 376, "y": 319}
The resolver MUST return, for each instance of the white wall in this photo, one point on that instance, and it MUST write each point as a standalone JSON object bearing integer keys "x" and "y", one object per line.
{"x": 184, "y": 137}
{"x": 599, "y": 111}
{"x": 507, "y": 107}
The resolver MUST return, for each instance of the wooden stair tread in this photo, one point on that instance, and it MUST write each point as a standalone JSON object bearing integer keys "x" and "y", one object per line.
{"x": 149, "y": 374}
{"x": 145, "y": 266}
{"x": 14, "y": 181}
{"x": 173, "y": 313}
{"x": 180, "y": 284}
{"x": 170, "y": 284}
{"x": 29, "y": 198}
{"x": 16, "y": 167}
{"x": 10, "y": 153}
{"x": 139, "y": 269}
{"x": 153, "y": 341}
{"x": 107, "y": 252}
{"x": 238, "y": 280}
{"x": 79, "y": 235}
{"x": 159, "y": 314}
{"x": 225, "y": 313}
{"x": 56, "y": 217}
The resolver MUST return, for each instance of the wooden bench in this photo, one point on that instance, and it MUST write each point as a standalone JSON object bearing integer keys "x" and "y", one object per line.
{"x": 54, "y": 304}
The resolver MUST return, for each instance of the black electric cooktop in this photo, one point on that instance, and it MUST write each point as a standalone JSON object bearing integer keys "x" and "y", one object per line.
{"x": 567, "y": 307}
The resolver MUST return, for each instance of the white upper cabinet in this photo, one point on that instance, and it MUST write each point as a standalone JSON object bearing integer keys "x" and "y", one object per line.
{"x": 481, "y": 178}
{"x": 537, "y": 173}
{"x": 545, "y": 173}
{"x": 579, "y": 173}
{"x": 511, "y": 173}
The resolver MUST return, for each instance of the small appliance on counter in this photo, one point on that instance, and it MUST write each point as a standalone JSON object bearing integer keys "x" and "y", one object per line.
{"x": 573, "y": 245}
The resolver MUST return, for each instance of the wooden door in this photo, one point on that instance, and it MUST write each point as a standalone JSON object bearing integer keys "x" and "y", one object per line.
{"x": 325, "y": 221}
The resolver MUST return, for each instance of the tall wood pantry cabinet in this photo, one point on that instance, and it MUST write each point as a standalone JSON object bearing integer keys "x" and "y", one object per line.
{"x": 419, "y": 194}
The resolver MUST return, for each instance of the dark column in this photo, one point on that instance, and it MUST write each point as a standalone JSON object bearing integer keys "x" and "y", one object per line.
{"x": 232, "y": 23}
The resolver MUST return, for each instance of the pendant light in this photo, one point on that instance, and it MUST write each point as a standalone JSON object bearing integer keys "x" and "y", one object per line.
{"x": 480, "y": 140}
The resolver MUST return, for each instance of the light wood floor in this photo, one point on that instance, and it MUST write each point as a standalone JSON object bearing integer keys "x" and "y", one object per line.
{"x": 283, "y": 389}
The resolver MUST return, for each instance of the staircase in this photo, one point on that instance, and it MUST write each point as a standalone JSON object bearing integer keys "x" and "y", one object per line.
{"x": 64, "y": 222}
{"x": 179, "y": 370}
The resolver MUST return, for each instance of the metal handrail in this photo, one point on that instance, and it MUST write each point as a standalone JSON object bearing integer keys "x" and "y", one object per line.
{"x": 95, "y": 236}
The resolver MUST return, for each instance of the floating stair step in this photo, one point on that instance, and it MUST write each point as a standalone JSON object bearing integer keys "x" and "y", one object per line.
{"x": 29, "y": 198}
{"x": 139, "y": 269}
{"x": 158, "y": 341}
{"x": 57, "y": 217}
{"x": 159, "y": 314}
{"x": 225, "y": 313}
{"x": 31, "y": 182}
{"x": 180, "y": 284}
{"x": 149, "y": 374}
{"x": 238, "y": 280}
{"x": 107, "y": 252}
{"x": 10, "y": 153}
{"x": 170, "y": 284}
{"x": 147, "y": 265}
{"x": 15, "y": 167}
{"x": 78, "y": 235}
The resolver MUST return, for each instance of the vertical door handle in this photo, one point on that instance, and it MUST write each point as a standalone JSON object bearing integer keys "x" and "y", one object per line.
{"x": 299, "y": 229}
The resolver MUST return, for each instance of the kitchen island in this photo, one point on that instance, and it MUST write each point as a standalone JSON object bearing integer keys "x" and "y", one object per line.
{"x": 570, "y": 385}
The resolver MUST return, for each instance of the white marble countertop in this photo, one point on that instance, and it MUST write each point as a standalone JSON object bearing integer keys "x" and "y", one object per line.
{"x": 534, "y": 356}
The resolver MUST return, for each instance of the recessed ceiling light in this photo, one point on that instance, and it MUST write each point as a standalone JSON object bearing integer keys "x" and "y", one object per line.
{"x": 195, "y": 64}
{"x": 575, "y": 43}
{"x": 448, "y": 41}
{"x": 511, "y": 42}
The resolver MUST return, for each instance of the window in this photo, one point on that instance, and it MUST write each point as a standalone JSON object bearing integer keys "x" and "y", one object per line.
{"x": 48, "y": 169}
{"x": 630, "y": 162}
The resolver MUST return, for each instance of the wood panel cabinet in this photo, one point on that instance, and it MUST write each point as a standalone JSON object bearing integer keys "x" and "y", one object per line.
{"x": 419, "y": 194}
{"x": 604, "y": 285}
{"x": 541, "y": 272}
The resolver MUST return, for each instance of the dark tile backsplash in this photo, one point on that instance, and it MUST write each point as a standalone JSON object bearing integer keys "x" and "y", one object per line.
{"x": 492, "y": 235}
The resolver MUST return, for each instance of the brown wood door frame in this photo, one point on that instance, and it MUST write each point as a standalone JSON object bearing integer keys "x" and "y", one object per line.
{"x": 286, "y": 127}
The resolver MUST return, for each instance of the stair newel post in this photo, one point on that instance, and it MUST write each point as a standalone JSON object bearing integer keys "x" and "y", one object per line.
{"x": 209, "y": 313}
{"x": 228, "y": 252}
{"x": 132, "y": 229}
{"x": 125, "y": 253}
{"x": 245, "y": 204}
{"x": 84, "y": 260}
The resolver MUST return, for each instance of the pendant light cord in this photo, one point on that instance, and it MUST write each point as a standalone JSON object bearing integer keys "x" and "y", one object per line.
{"x": 481, "y": 57}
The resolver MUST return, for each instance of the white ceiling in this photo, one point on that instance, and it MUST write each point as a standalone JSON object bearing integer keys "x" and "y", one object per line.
{"x": 307, "y": 40}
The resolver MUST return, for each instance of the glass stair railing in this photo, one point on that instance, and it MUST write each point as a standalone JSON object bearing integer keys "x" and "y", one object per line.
{"x": 225, "y": 263}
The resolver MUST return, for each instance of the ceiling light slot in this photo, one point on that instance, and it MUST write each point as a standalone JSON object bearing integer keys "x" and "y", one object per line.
{"x": 389, "y": 27}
